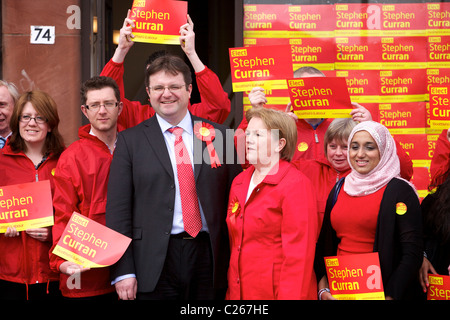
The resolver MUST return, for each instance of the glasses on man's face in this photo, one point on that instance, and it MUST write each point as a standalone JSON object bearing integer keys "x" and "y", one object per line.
{"x": 174, "y": 88}
{"x": 37, "y": 119}
{"x": 96, "y": 106}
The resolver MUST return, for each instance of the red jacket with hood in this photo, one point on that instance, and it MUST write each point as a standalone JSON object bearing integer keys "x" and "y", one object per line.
{"x": 24, "y": 259}
{"x": 81, "y": 179}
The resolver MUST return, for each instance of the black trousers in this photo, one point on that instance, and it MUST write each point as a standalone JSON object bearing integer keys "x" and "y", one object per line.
{"x": 188, "y": 271}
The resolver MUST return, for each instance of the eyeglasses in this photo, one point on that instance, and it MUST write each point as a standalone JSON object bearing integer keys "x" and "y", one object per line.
{"x": 174, "y": 88}
{"x": 107, "y": 105}
{"x": 38, "y": 119}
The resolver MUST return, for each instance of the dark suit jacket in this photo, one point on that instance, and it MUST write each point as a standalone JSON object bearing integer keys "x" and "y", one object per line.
{"x": 141, "y": 196}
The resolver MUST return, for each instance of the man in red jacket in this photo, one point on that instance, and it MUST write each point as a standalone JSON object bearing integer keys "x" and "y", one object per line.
{"x": 81, "y": 179}
{"x": 214, "y": 105}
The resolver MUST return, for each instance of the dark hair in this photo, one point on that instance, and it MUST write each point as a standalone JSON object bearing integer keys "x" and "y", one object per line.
{"x": 437, "y": 220}
{"x": 171, "y": 64}
{"x": 46, "y": 107}
{"x": 154, "y": 56}
{"x": 97, "y": 83}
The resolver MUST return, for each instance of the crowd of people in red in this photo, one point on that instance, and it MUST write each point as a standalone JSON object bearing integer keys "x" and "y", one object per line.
{"x": 307, "y": 189}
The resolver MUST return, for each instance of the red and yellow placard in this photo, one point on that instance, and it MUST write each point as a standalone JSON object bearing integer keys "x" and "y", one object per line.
{"x": 262, "y": 66}
{"x": 158, "y": 21}
{"x": 320, "y": 97}
{"x": 90, "y": 244}
{"x": 26, "y": 206}
{"x": 439, "y": 287}
{"x": 355, "y": 277}
{"x": 403, "y": 118}
{"x": 440, "y": 107}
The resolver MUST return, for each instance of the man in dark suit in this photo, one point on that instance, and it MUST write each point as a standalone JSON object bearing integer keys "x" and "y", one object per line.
{"x": 145, "y": 200}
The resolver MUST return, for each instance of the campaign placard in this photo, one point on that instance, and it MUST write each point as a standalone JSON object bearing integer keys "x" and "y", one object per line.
{"x": 158, "y": 21}
{"x": 403, "y": 19}
{"x": 362, "y": 85}
{"x": 439, "y": 287}
{"x": 402, "y": 85}
{"x": 288, "y": 21}
{"x": 319, "y": 97}
{"x": 437, "y": 77}
{"x": 263, "y": 66}
{"x": 419, "y": 147}
{"x": 355, "y": 277}
{"x": 26, "y": 206}
{"x": 403, "y": 52}
{"x": 358, "y": 20}
{"x": 403, "y": 117}
{"x": 438, "y": 18}
{"x": 439, "y": 52}
{"x": 439, "y": 107}
{"x": 358, "y": 53}
{"x": 89, "y": 243}
{"x": 313, "y": 52}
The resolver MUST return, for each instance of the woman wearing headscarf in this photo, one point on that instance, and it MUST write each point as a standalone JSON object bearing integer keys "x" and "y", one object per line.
{"x": 362, "y": 214}
{"x": 272, "y": 230}
{"x": 325, "y": 172}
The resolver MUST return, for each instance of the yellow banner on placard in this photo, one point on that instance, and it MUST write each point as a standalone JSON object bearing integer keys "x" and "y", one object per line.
{"x": 28, "y": 224}
{"x": 357, "y": 33}
{"x": 288, "y": 34}
{"x": 402, "y": 98}
{"x": 331, "y": 113}
{"x": 271, "y": 100}
{"x": 407, "y": 131}
{"x": 72, "y": 256}
{"x": 403, "y": 65}
{"x": 358, "y": 65}
{"x": 440, "y": 124}
{"x": 361, "y": 296}
{"x": 156, "y": 38}
{"x": 266, "y": 84}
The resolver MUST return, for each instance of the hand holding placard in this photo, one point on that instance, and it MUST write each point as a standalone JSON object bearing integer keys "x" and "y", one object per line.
{"x": 90, "y": 244}
{"x": 320, "y": 97}
{"x": 158, "y": 21}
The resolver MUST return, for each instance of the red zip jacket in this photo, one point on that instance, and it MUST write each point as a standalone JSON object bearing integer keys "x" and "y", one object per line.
{"x": 24, "y": 259}
{"x": 215, "y": 105}
{"x": 81, "y": 178}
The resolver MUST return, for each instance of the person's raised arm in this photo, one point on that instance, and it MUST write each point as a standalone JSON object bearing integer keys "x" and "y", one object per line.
{"x": 187, "y": 43}
{"x": 125, "y": 42}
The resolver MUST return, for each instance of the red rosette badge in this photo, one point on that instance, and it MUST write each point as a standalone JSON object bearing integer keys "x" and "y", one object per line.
{"x": 205, "y": 132}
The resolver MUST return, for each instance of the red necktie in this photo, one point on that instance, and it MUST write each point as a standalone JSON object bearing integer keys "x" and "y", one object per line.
{"x": 189, "y": 201}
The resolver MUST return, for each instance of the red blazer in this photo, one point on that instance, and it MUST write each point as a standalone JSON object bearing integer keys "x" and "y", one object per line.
{"x": 272, "y": 237}
{"x": 215, "y": 105}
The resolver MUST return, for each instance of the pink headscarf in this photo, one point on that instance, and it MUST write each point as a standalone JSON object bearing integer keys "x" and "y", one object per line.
{"x": 357, "y": 184}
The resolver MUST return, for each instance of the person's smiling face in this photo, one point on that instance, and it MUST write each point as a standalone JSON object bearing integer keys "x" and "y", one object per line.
{"x": 337, "y": 155}
{"x": 33, "y": 131}
{"x": 364, "y": 154}
{"x": 169, "y": 96}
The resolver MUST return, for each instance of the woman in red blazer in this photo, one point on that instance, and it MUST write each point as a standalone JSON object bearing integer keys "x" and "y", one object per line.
{"x": 271, "y": 218}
